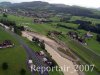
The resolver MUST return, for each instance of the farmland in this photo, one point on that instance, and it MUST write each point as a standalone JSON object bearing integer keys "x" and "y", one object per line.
{"x": 86, "y": 53}
{"x": 15, "y": 57}
{"x": 44, "y": 28}
{"x": 49, "y": 35}
{"x": 32, "y": 45}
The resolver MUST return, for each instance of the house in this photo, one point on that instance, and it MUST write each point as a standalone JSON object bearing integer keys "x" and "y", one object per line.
{"x": 38, "y": 21}
{"x": 72, "y": 34}
{"x": 6, "y": 44}
{"x": 75, "y": 36}
{"x": 5, "y": 10}
{"x": 89, "y": 35}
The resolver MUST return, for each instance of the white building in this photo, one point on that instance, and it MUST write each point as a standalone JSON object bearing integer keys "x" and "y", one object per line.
{"x": 42, "y": 53}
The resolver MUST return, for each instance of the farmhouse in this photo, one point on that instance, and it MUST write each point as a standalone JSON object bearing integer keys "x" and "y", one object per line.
{"x": 6, "y": 44}
{"x": 41, "y": 20}
{"x": 75, "y": 36}
{"x": 5, "y": 10}
{"x": 89, "y": 35}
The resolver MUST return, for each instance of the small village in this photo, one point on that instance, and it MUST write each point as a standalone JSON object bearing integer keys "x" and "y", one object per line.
{"x": 82, "y": 39}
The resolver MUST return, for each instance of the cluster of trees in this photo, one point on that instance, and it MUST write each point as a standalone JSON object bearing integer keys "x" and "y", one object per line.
{"x": 17, "y": 29}
{"x": 40, "y": 43}
{"x": 64, "y": 26}
{"x": 65, "y": 19}
{"x": 98, "y": 38}
{"x": 75, "y": 35}
{"x": 22, "y": 72}
{"x": 5, "y": 67}
{"x": 7, "y": 22}
{"x": 87, "y": 25}
{"x": 56, "y": 33}
{"x": 5, "y": 15}
{"x": 82, "y": 22}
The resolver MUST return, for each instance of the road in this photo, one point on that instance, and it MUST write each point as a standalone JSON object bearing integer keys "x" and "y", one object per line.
{"x": 29, "y": 51}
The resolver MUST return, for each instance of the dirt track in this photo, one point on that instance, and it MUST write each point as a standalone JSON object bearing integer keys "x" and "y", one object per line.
{"x": 51, "y": 47}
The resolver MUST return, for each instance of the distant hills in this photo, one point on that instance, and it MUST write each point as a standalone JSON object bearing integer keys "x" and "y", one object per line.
{"x": 55, "y": 8}
{"x": 35, "y": 4}
{"x": 5, "y": 4}
{"x": 30, "y": 4}
{"x": 98, "y": 8}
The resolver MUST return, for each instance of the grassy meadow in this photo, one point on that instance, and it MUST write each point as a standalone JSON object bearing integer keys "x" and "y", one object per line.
{"x": 15, "y": 57}
{"x": 89, "y": 53}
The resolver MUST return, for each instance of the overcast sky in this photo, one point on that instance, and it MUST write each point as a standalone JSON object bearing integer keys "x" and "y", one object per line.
{"x": 84, "y": 3}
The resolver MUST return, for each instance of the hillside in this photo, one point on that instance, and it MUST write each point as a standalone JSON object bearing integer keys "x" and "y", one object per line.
{"x": 73, "y": 32}
{"x": 55, "y": 8}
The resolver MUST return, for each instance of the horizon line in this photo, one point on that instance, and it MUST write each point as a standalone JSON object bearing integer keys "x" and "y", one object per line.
{"x": 52, "y": 3}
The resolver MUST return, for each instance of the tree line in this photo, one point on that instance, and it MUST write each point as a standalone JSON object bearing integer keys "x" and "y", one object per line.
{"x": 9, "y": 23}
{"x": 85, "y": 25}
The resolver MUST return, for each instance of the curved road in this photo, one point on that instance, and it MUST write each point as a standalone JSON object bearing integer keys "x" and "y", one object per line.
{"x": 30, "y": 52}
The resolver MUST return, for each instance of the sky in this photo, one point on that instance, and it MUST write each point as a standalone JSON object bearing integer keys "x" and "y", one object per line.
{"x": 83, "y": 3}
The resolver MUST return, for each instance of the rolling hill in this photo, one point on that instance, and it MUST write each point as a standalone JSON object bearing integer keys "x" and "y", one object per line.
{"x": 55, "y": 8}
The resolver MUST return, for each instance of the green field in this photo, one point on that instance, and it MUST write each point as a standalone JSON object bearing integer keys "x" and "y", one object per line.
{"x": 33, "y": 46}
{"x": 85, "y": 54}
{"x": 80, "y": 50}
{"x": 44, "y": 28}
{"x": 94, "y": 21}
{"x": 15, "y": 57}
